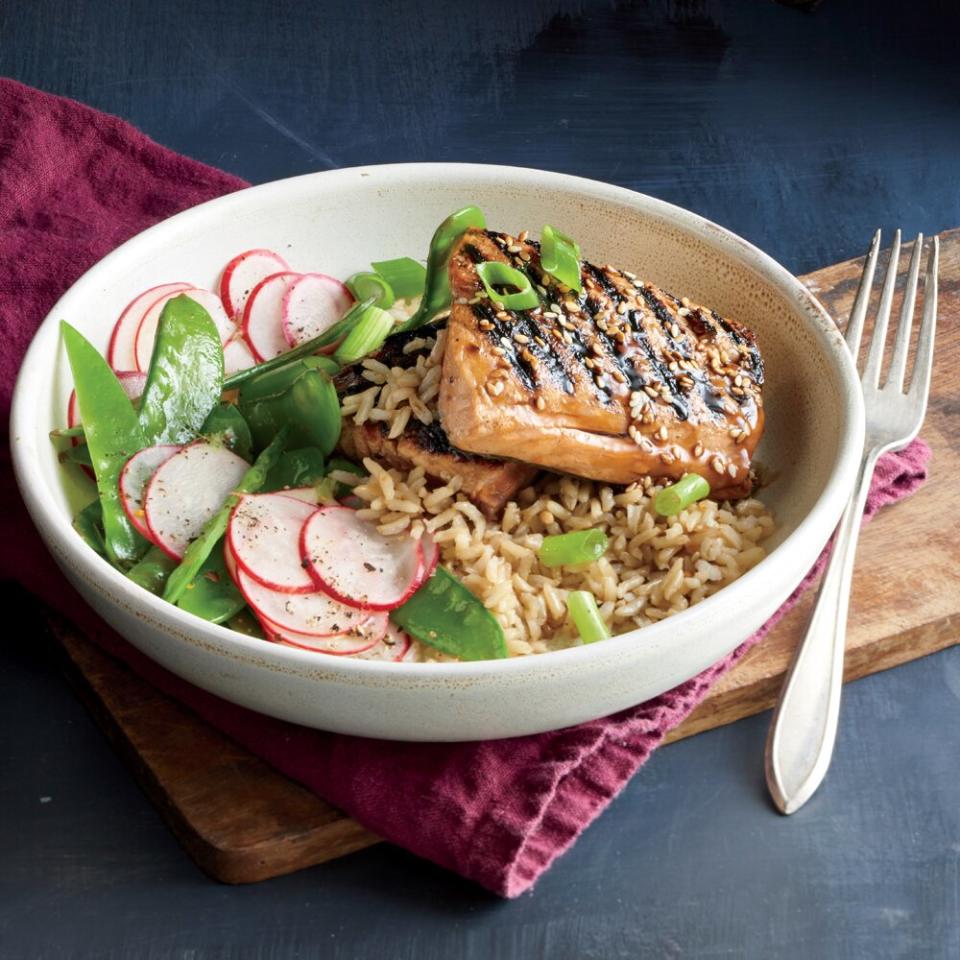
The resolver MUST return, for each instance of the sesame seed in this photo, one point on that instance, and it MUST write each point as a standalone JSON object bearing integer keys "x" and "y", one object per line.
{"x": 651, "y": 392}
{"x": 622, "y": 307}
{"x": 546, "y": 517}
{"x": 674, "y": 331}
{"x": 629, "y": 275}
{"x": 528, "y": 356}
{"x": 698, "y": 449}
{"x": 499, "y": 351}
{"x": 589, "y": 362}
{"x": 541, "y": 290}
{"x": 485, "y": 324}
{"x": 567, "y": 338}
{"x": 732, "y": 470}
{"x": 541, "y": 403}
{"x": 662, "y": 432}
{"x": 513, "y": 248}
{"x": 495, "y": 388}
{"x": 717, "y": 464}
{"x": 619, "y": 377}
{"x": 674, "y": 367}
{"x": 461, "y": 300}
{"x": 684, "y": 311}
{"x": 505, "y": 342}
{"x": 572, "y": 306}
{"x": 667, "y": 457}
{"x": 523, "y": 236}
{"x": 521, "y": 337}
{"x": 524, "y": 256}
{"x": 556, "y": 308}
{"x": 503, "y": 315}
{"x": 540, "y": 341}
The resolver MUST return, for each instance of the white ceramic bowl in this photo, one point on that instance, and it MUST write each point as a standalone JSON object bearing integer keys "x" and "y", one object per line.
{"x": 338, "y": 222}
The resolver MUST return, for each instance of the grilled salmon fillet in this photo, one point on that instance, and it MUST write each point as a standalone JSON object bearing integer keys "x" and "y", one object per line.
{"x": 613, "y": 384}
{"x": 487, "y": 482}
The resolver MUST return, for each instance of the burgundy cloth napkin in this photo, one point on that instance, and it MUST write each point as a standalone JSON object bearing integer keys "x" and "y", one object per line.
{"x": 74, "y": 183}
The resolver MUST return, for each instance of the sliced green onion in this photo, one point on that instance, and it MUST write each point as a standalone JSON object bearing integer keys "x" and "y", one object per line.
{"x": 688, "y": 489}
{"x": 560, "y": 257}
{"x": 345, "y": 324}
{"x": 583, "y": 608}
{"x": 567, "y": 549}
{"x": 495, "y": 274}
{"x": 363, "y": 285}
{"x": 406, "y": 277}
{"x": 368, "y": 335}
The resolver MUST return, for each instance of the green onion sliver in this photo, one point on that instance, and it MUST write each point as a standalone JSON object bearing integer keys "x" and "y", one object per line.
{"x": 560, "y": 257}
{"x": 678, "y": 496}
{"x": 494, "y": 274}
{"x": 568, "y": 549}
{"x": 406, "y": 276}
{"x": 366, "y": 337}
{"x": 364, "y": 285}
{"x": 583, "y": 608}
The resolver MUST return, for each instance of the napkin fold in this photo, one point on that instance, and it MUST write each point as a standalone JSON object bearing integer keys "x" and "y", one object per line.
{"x": 75, "y": 183}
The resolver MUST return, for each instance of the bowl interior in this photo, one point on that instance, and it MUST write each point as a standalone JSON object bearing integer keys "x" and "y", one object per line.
{"x": 338, "y": 222}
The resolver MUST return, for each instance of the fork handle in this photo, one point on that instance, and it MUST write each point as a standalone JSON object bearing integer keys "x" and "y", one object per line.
{"x": 804, "y": 726}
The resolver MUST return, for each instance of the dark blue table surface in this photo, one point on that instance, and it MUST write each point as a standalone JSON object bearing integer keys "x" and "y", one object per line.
{"x": 802, "y": 132}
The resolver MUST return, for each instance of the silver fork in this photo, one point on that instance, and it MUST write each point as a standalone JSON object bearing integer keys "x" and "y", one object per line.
{"x": 804, "y": 725}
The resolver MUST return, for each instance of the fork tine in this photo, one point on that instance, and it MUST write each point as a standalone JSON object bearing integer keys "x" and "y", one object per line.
{"x": 920, "y": 381}
{"x": 899, "y": 362}
{"x": 862, "y": 301}
{"x": 871, "y": 372}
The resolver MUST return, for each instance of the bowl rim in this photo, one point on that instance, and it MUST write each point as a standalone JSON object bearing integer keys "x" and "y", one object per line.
{"x": 185, "y": 627}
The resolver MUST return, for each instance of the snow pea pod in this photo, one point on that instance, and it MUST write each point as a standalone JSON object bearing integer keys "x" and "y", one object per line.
{"x": 152, "y": 571}
{"x": 201, "y": 548}
{"x": 113, "y": 434}
{"x": 226, "y": 424}
{"x": 212, "y": 594}
{"x": 444, "y": 614}
{"x": 308, "y": 406}
{"x": 185, "y": 379}
{"x": 436, "y": 293}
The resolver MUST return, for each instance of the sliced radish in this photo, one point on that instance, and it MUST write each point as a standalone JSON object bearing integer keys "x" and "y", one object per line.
{"x": 243, "y": 273}
{"x": 237, "y": 357}
{"x": 147, "y": 332}
{"x": 311, "y": 306}
{"x": 121, "y": 354}
{"x": 430, "y": 550}
{"x": 396, "y": 645}
{"x": 186, "y": 491}
{"x": 264, "y": 537}
{"x": 136, "y": 475}
{"x": 312, "y": 614}
{"x": 262, "y": 316}
{"x": 348, "y": 558}
{"x": 133, "y": 382}
{"x": 338, "y": 645}
{"x": 73, "y": 413}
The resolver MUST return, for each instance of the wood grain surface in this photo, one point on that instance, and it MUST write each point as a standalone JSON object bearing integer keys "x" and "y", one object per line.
{"x": 243, "y": 822}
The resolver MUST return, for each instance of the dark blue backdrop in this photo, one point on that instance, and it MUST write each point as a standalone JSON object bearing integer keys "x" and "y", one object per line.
{"x": 802, "y": 132}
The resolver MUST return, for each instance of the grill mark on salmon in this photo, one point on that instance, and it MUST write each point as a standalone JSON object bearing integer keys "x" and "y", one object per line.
{"x": 619, "y": 382}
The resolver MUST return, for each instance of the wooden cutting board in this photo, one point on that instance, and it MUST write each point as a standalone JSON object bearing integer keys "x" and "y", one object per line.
{"x": 242, "y": 821}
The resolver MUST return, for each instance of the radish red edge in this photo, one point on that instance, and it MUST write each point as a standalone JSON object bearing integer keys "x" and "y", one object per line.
{"x": 244, "y": 323}
{"x": 323, "y": 583}
{"x": 245, "y": 565}
{"x": 132, "y": 492}
{"x": 232, "y": 304}
{"x": 128, "y": 319}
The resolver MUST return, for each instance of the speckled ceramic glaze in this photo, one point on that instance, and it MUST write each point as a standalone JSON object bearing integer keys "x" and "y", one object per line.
{"x": 337, "y": 222}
